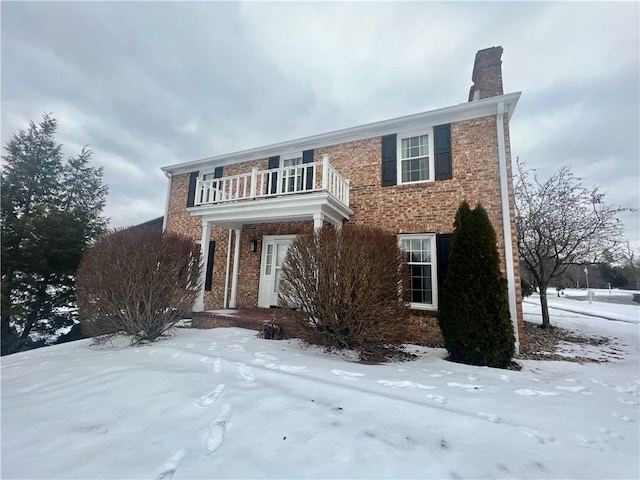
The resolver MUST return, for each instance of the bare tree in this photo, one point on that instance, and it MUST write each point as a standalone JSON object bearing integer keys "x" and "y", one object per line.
{"x": 561, "y": 222}
{"x": 630, "y": 259}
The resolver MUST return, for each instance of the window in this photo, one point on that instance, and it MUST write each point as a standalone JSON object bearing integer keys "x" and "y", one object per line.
{"x": 415, "y": 157}
{"x": 420, "y": 256}
{"x": 291, "y": 174}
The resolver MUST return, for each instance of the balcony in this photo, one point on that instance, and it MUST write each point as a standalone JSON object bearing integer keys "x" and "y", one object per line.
{"x": 309, "y": 191}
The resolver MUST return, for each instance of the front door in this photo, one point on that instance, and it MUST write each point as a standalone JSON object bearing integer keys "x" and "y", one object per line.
{"x": 274, "y": 250}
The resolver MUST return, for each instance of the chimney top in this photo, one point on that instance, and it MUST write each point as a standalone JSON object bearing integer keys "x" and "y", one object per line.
{"x": 487, "y": 74}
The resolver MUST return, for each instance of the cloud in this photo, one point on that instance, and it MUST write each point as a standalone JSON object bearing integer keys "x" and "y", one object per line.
{"x": 148, "y": 84}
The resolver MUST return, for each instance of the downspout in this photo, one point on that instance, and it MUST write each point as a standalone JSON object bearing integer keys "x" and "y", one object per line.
{"x": 225, "y": 303}
{"x": 166, "y": 206}
{"x": 506, "y": 225}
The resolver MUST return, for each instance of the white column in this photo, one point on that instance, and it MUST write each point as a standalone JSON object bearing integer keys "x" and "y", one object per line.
{"x": 325, "y": 172}
{"x": 506, "y": 224}
{"x": 166, "y": 205}
{"x": 198, "y": 306}
{"x": 254, "y": 181}
{"x": 225, "y": 303}
{"x": 318, "y": 220}
{"x": 236, "y": 263}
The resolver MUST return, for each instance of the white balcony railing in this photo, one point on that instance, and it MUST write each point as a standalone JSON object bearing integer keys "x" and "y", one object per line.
{"x": 297, "y": 179}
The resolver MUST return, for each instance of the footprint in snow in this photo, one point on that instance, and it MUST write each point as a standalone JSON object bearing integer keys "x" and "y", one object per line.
{"x": 344, "y": 373}
{"x": 595, "y": 444}
{"x": 166, "y": 471}
{"x": 212, "y": 346}
{"x": 472, "y": 378}
{"x": 435, "y": 375}
{"x": 262, "y": 358}
{"x": 624, "y": 418}
{"x": 575, "y": 389}
{"x": 235, "y": 348}
{"x": 190, "y": 346}
{"x": 211, "y": 397}
{"x": 216, "y": 366}
{"x": 535, "y": 393}
{"x": 540, "y": 437}
{"x": 466, "y": 386}
{"x": 151, "y": 352}
{"x": 402, "y": 370}
{"x": 293, "y": 369}
{"x": 245, "y": 372}
{"x": 405, "y": 384}
{"x": 175, "y": 355}
{"x": 626, "y": 402}
{"x": 215, "y": 435}
{"x": 437, "y": 398}
{"x": 490, "y": 417}
{"x": 610, "y": 433}
{"x": 506, "y": 378}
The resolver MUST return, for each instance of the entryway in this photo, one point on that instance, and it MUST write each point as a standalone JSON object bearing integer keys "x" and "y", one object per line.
{"x": 274, "y": 251}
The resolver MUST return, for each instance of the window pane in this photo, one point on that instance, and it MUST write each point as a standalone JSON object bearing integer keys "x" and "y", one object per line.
{"x": 269, "y": 259}
{"x": 281, "y": 252}
{"x": 289, "y": 162}
{"x": 426, "y": 250}
{"x": 421, "y": 284}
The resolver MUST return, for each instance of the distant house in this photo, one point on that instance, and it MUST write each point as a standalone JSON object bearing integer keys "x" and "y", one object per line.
{"x": 155, "y": 224}
{"x": 406, "y": 174}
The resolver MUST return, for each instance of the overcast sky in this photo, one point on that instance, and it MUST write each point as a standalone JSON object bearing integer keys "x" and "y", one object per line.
{"x": 150, "y": 84}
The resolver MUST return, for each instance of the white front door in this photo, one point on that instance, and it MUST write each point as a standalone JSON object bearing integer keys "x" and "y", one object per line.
{"x": 274, "y": 251}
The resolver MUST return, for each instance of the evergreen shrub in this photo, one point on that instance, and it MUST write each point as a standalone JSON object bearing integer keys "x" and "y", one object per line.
{"x": 473, "y": 312}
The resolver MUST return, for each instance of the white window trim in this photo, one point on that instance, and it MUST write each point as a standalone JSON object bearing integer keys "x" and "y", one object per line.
{"x": 434, "y": 270}
{"x": 206, "y": 172}
{"x": 290, "y": 155}
{"x": 414, "y": 133}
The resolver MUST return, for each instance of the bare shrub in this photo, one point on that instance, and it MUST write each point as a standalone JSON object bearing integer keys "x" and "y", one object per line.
{"x": 272, "y": 331}
{"x": 341, "y": 288}
{"x": 137, "y": 281}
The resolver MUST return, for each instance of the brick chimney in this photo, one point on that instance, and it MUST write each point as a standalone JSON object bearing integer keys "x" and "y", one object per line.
{"x": 487, "y": 74}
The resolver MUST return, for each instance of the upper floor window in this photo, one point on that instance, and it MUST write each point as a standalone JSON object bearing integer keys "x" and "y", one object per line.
{"x": 415, "y": 157}
{"x": 424, "y": 155}
{"x": 292, "y": 174}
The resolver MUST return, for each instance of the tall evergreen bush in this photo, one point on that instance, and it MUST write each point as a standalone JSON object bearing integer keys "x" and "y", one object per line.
{"x": 473, "y": 312}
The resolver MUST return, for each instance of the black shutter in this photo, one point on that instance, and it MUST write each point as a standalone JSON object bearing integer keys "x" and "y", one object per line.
{"x": 443, "y": 246}
{"x": 208, "y": 279}
{"x": 307, "y": 157}
{"x": 217, "y": 173}
{"x": 389, "y": 160}
{"x": 191, "y": 194}
{"x": 442, "y": 151}
{"x": 274, "y": 162}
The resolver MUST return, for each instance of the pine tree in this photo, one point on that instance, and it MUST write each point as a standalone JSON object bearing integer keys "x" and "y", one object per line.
{"x": 473, "y": 312}
{"x": 51, "y": 210}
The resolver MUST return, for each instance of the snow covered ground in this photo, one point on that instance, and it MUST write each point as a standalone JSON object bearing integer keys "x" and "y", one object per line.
{"x": 223, "y": 404}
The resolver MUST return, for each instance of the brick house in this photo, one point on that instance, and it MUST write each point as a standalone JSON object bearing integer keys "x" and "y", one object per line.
{"x": 406, "y": 174}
